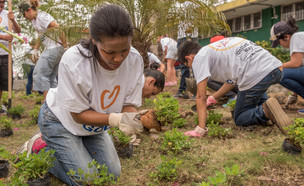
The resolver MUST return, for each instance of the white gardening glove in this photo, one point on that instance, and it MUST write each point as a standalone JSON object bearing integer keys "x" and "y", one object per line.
{"x": 129, "y": 122}
{"x": 210, "y": 101}
{"x": 35, "y": 56}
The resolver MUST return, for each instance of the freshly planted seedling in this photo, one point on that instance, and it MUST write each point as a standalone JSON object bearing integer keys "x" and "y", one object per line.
{"x": 5, "y": 123}
{"x": 16, "y": 111}
{"x": 174, "y": 141}
{"x": 166, "y": 109}
{"x": 99, "y": 175}
{"x": 34, "y": 166}
{"x": 167, "y": 170}
{"x": 179, "y": 123}
{"x": 33, "y": 114}
{"x": 295, "y": 139}
{"x": 214, "y": 116}
{"x": 231, "y": 104}
{"x": 4, "y": 98}
{"x": 216, "y": 130}
{"x": 119, "y": 137}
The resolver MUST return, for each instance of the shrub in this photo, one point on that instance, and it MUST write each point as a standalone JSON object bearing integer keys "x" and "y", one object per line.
{"x": 214, "y": 116}
{"x": 217, "y": 131}
{"x": 167, "y": 170}
{"x": 119, "y": 136}
{"x": 34, "y": 113}
{"x": 179, "y": 123}
{"x": 174, "y": 141}
{"x": 296, "y": 131}
{"x": 100, "y": 175}
{"x": 16, "y": 111}
{"x": 5, "y": 123}
{"x": 35, "y": 165}
{"x": 231, "y": 104}
{"x": 166, "y": 109}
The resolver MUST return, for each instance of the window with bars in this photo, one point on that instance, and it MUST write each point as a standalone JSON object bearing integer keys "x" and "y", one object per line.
{"x": 286, "y": 12}
{"x": 230, "y": 23}
{"x": 299, "y": 13}
{"x": 238, "y": 24}
{"x": 257, "y": 20}
{"x": 251, "y": 21}
{"x": 247, "y": 22}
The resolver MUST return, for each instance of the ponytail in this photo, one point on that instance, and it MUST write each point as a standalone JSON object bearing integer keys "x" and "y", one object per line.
{"x": 292, "y": 23}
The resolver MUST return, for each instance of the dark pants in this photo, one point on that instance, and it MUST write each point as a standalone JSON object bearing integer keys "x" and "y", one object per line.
{"x": 29, "y": 84}
{"x": 215, "y": 85}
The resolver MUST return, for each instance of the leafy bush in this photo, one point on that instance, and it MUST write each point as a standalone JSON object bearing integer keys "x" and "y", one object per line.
{"x": 34, "y": 113}
{"x": 217, "y": 131}
{"x": 231, "y": 104}
{"x": 179, "y": 123}
{"x": 280, "y": 53}
{"x": 4, "y": 98}
{"x": 167, "y": 170}
{"x": 35, "y": 165}
{"x": 5, "y": 123}
{"x": 296, "y": 131}
{"x": 166, "y": 109}
{"x": 16, "y": 111}
{"x": 214, "y": 116}
{"x": 119, "y": 136}
{"x": 100, "y": 175}
{"x": 5, "y": 155}
{"x": 224, "y": 178}
{"x": 174, "y": 141}
{"x": 38, "y": 99}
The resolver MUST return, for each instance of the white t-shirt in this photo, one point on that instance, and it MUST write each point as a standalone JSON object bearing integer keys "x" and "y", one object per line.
{"x": 153, "y": 58}
{"x": 234, "y": 60}
{"x": 41, "y": 24}
{"x": 168, "y": 42}
{"x": 83, "y": 85}
{"x": 4, "y": 22}
{"x": 297, "y": 44}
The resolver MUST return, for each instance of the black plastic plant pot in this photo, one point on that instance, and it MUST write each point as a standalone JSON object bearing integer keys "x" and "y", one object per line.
{"x": 45, "y": 181}
{"x": 4, "y": 168}
{"x": 6, "y": 132}
{"x": 290, "y": 147}
{"x": 125, "y": 151}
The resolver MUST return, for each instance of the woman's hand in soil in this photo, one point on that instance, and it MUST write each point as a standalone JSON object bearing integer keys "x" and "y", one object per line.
{"x": 129, "y": 122}
{"x": 198, "y": 132}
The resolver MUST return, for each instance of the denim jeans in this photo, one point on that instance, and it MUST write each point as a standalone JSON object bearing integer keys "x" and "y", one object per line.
{"x": 248, "y": 108}
{"x": 29, "y": 80}
{"x": 185, "y": 73}
{"x": 73, "y": 152}
{"x": 293, "y": 79}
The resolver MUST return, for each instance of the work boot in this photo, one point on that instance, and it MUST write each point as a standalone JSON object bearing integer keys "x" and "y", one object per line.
{"x": 275, "y": 113}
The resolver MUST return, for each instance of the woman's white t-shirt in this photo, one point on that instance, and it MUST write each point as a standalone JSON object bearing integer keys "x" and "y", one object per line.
{"x": 41, "y": 24}
{"x": 153, "y": 58}
{"x": 83, "y": 85}
{"x": 297, "y": 44}
{"x": 234, "y": 60}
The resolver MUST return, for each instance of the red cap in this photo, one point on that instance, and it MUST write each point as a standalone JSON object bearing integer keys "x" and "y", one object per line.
{"x": 216, "y": 38}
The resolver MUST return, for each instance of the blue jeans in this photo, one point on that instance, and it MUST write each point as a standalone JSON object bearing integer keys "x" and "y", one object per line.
{"x": 293, "y": 79}
{"x": 248, "y": 108}
{"x": 29, "y": 80}
{"x": 73, "y": 152}
{"x": 185, "y": 73}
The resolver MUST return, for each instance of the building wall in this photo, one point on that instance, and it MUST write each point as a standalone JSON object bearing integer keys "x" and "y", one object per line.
{"x": 262, "y": 33}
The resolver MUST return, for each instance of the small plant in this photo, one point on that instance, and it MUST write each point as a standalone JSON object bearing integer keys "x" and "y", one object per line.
{"x": 174, "y": 141}
{"x": 166, "y": 109}
{"x": 167, "y": 170}
{"x": 4, "y": 98}
{"x": 16, "y": 111}
{"x": 119, "y": 136}
{"x": 100, "y": 175}
{"x": 217, "y": 131}
{"x": 38, "y": 99}
{"x": 296, "y": 131}
{"x": 224, "y": 178}
{"x": 5, "y": 155}
{"x": 231, "y": 104}
{"x": 166, "y": 94}
{"x": 5, "y": 123}
{"x": 34, "y": 114}
{"x": 179, "y": 123}
{"x": 214, "y": 116}
{"x": 35, "y": 165}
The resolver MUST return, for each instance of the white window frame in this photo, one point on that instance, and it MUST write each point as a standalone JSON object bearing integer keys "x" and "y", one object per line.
{"x": 243, "y": 23}
{"x": 293, "y": 12}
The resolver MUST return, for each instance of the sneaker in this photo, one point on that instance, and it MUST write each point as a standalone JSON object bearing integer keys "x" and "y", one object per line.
{"x": 3, "y": 110}
{"x": 183, "y": 95}
{"x": 301, "y": 111}
{"x": 292, "y": 99}
{"x": 275, "y": 113}
{"x": 35, "y": 144}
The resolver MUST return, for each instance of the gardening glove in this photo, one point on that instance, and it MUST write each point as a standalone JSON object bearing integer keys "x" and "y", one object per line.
{"x": 210, "y": 101}
{"x": 35, "y": 56}
{"x": 129, "y": 122}
{"x": 198, "y": 132}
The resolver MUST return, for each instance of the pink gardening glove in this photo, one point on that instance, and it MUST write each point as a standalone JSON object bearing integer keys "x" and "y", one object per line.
{"x": 210, "y": 101}
{"x": 198, "y": 132}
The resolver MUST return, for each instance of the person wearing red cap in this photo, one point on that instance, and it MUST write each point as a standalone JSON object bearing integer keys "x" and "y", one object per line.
{"x": 285, "y": 34}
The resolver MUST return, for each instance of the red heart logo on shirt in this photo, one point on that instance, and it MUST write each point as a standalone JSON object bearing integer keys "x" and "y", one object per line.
{"x": 114, "y": 93}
